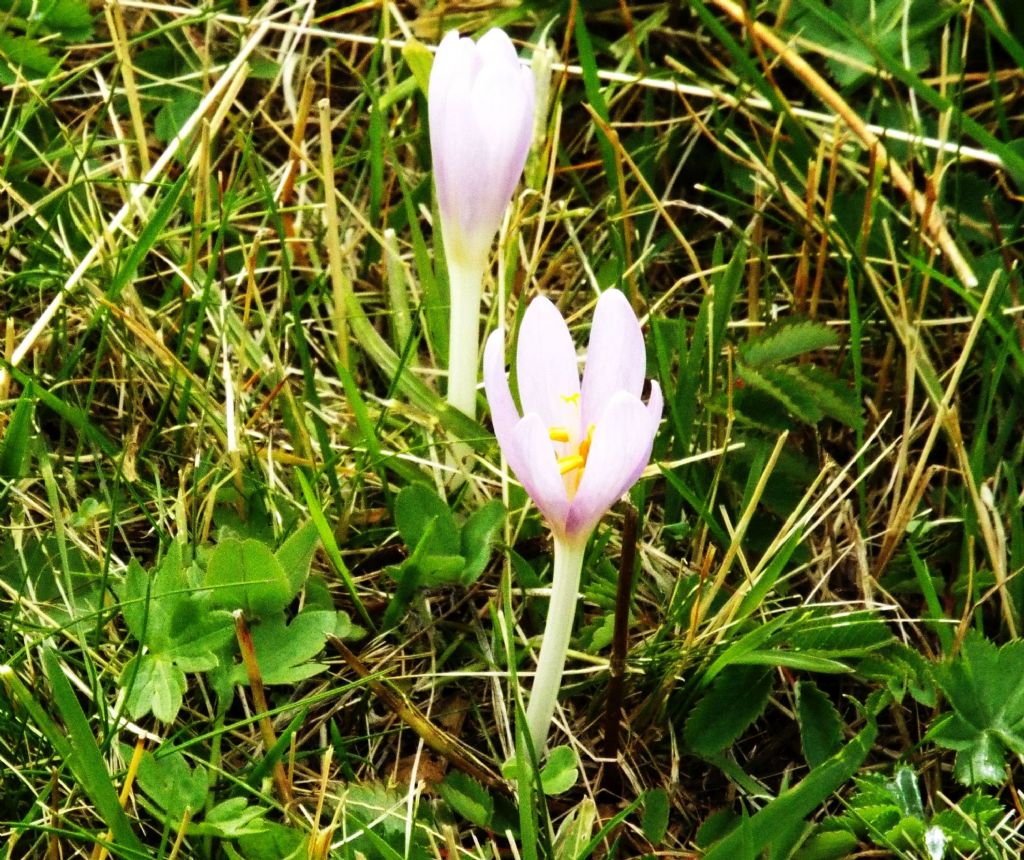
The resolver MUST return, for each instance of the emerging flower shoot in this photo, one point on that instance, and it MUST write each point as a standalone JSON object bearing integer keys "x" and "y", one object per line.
{"x": 481, "y": 103}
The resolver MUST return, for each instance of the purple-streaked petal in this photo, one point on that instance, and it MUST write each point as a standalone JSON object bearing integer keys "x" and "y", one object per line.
{"x": 531, "y": 457}
{"x": 546, "y": 369}
{"x": 616, "y": 358}
{"x": 503, "y": 410}
{"x": 619, "y": 452}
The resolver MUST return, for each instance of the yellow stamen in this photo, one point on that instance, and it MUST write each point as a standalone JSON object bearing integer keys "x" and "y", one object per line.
{"x": 567, "y": 464}
{"x": 585, "y": 444}
{"x": 558, "y": 434}
{"x": 574, "y": 399}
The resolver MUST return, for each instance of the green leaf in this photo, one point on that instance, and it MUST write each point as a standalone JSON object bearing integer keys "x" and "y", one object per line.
{"x": 478, "y": 535}
{"x": 736, "y": 698}
{"x": 83, "y": 757}
{"x": 416, "y": 506}
{"x": 246, "y": 575}
{"x": 172, "y": 785}
{"x": 296, "y": 554}
{"x": 157, "y": 685}
{"x": 25, "y": 54}
{"x": 468, "y": 798}
{"x": 725, "y": 287}
{"x": 233, "y": 818}
{"x": 834, "y": 396}
{"x": 905, "y": 791}
{"x": 285, "y": 652}
{"x": 420, "y": 61}
{"x": 561, "y": 771}
{"x": 779, "y": 387}
{"x": 148, "y": 603}
{"x": 655, "y": 818}
{"x": 787, "y": 339}
{"x": 275, "y": 842}
{"x": 175, "y": 113}
{"x": 981, "y": 762}
{"x": 821, "y": 729}
{"x": 984, "y": 687}
{"x": 70, "y": 19}
{"x": 17, "y": 438}
{"x": 575, "y": 830}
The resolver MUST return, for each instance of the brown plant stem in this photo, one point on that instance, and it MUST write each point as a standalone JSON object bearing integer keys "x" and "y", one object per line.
{"x": 620, "y": 637}
{"x": 259, "y": 699}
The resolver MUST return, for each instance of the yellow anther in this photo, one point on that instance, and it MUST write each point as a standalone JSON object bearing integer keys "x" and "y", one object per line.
{"x": 558, "y": 434}
{"x": 585, "y": 444}
{"x": 567, "y": 464}
{"x": 574, "y": 399}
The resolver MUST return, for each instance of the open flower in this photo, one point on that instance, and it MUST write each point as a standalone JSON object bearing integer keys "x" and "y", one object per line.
{"x": 577, "y": 448}
{"x": 481, "y": 102}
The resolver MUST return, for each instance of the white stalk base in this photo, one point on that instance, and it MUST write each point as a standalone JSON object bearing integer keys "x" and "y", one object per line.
{"x": 568, "y": 564}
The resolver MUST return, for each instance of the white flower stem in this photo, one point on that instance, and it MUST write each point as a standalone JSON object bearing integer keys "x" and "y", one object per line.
{"x": 568, "y": 564}
{"x": 465, "y": 285}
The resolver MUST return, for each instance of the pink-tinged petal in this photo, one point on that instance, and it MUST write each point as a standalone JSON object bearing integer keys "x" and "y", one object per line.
{"x": 655, "y": 405}
{"x": 503, "y": 410}
{"x": 481, "y": 110}
{"x": 546, "y": 368}
{"x": 503, "y": 110}
{"x": 531, "y": 457}
{"x": 616, "y": 358}
{"x": 619, "y": 452}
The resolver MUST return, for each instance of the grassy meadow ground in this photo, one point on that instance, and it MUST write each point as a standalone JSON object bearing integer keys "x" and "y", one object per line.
{"x": 223, "y": 314}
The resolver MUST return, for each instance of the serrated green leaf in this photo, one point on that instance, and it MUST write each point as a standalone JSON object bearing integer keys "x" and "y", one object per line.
{"x": 560, "y": 772}
{"x": 985, "y": 689}
{"x": 736, "y": 698}
{"x": 27, "y": 55}
{"x": 981, "y": 762}
{"x": 70, "y": 19}
{"x": 246, "y": 575}
{"x": 468, "y": 798}
{"x": 834, "y": 397}
{"x": 296, "y": 554}
{"x": 779, "y": 388}
{"x": 275, "y": 842}
{"x": 821, "y": 729}
{"x": 785, "y": 340}
{"x": 156, "y": 606}
{"x": 905, "y": 791}
{"x": 477, "y": 538}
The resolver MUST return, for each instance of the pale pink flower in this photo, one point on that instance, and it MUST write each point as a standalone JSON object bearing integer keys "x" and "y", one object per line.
{"x": 577, "y": 448}
{"x": 481, "y": 102}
